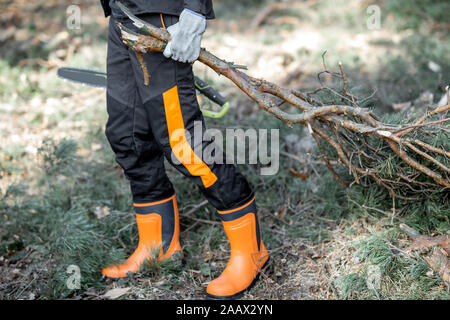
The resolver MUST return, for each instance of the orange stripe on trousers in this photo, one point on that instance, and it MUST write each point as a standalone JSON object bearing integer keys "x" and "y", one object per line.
{"x": 178, "y": 142}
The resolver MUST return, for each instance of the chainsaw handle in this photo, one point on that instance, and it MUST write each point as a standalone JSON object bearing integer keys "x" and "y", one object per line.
{"x": 214, "y": 96}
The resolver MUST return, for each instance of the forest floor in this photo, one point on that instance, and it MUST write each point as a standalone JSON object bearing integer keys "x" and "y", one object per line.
{"x": 65, "y": 204}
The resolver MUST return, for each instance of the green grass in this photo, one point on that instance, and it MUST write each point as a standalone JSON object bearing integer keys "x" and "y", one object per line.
{"x": 57, "y": 218}
{"x": 400, "y": 275}
{"x": 48, "y": 209}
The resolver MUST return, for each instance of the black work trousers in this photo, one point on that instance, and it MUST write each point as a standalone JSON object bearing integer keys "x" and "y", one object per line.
{"x": 146, "y": 125}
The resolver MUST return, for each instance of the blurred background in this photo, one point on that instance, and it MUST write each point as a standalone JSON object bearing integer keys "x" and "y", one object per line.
{"x": 65, "y": 208}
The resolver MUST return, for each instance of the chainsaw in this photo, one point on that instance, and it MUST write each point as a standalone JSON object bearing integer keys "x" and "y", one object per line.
{"x": 96, "y": 78}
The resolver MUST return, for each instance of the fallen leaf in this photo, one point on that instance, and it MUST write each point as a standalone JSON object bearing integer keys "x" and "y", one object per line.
{"x": 115, "y": 293}
{"x": 440, "y": 264}
{"x": 426, "y": 242}
{"x": 102, "y": 212}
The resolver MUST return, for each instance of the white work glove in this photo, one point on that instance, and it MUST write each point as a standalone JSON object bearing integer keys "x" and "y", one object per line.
{"x": 186, "y": 37}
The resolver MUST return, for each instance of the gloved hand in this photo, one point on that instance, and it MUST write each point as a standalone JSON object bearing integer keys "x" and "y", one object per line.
{"x": 186, "y": 37}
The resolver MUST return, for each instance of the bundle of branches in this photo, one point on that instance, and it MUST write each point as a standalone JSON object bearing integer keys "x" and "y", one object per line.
{"x": 410, "y": 160}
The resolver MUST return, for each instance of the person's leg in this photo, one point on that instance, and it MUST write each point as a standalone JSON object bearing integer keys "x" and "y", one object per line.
{"x": 175, "y": 118}
{"x": 171, "y": 103}
{"x": 139, "y": 155}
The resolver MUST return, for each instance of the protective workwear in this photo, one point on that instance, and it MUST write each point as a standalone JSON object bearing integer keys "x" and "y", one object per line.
{"x": 148, "y": 123}
{"x": 248, "y": 253}
{"x": 169, "y": 7}
{"x": 186, "y": 37}
{"x": 159, "y": 229}
{"x": 162, "y": 120}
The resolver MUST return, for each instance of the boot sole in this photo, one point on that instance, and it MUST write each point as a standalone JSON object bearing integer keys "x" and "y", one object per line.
{"x": 240, "y": 293}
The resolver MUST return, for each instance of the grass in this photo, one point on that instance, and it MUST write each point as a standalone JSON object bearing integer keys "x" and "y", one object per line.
{"x": 58, "y": 171}
{"x": 387, "y": 272}
{"x": 59, "y": 227}
{"x": 58, "y": 222}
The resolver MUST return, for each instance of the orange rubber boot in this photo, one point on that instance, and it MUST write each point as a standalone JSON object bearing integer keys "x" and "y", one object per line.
{"x": 159, "y": 229}
{"x": 248, "y": 254}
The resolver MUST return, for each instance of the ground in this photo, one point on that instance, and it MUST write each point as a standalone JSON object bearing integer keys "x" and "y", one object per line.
{"x": 65, "y": 202}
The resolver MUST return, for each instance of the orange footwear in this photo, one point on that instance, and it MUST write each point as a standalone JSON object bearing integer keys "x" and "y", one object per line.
{"x": 248, "y": 253}
{"x": 159, "y": 229}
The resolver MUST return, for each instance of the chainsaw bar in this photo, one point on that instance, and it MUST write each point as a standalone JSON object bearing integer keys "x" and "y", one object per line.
{"x": 84, "y": 76}
{"x": 98, "y": 79}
